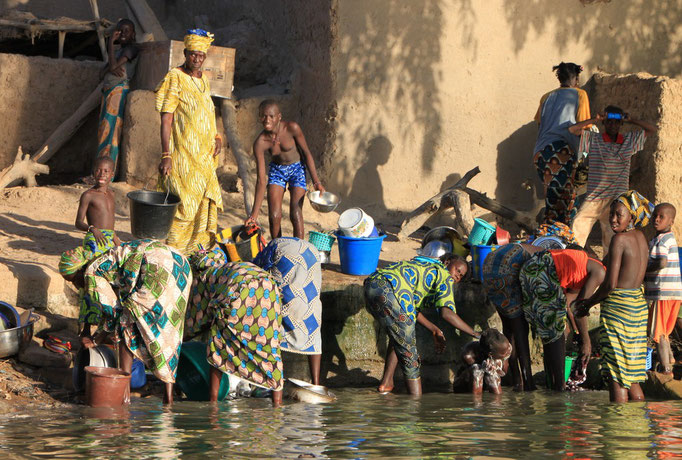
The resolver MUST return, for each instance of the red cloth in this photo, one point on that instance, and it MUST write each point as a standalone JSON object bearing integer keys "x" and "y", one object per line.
{"x": 571, "y": 267}
{"x": 663, "y": 317}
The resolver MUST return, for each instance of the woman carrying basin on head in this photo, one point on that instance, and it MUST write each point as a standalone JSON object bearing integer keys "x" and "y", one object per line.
{"x": 396, "y": 296}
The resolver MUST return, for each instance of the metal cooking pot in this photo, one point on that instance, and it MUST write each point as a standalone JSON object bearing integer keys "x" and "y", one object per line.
{"x": 14, "y": 340}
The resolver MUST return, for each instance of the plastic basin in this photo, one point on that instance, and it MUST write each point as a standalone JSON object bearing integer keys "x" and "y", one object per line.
{"x": 194, "y": 373}
{"x": 359, "y": 256}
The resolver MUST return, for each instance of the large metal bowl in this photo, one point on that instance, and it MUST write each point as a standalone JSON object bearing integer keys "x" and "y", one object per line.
{"x": 323, "y": 202}
{"x": 14, "y": 340}
{"x": 309, "y": 393}
{"x": 447, "y": 235}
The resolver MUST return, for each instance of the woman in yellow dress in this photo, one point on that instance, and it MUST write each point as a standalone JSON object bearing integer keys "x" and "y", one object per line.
{"x": 190, "y": 144}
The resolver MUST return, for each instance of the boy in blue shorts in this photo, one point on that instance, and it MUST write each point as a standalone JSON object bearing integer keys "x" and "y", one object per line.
{"x": 290, "y": 157}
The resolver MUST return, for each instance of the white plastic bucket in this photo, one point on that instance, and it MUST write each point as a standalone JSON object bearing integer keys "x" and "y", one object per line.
{"x": 355, "y": 223}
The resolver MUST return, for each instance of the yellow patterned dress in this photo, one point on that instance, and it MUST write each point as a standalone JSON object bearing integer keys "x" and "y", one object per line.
{"x": 193, "y": 177}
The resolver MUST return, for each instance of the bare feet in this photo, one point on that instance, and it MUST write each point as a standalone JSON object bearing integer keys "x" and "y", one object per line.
{"x": 385, "y": 389}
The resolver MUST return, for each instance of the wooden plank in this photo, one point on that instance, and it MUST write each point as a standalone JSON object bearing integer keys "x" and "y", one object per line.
{"x": 44, "y": 25}
{"x": 100, "y": 35}
{"x": 147, "y": 19}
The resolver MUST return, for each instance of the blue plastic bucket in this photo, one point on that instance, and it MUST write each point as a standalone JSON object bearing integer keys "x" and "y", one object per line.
{"x": 359, "y": 256}
{"x": 478, "y": 255}
{"x": 481, "y": 233}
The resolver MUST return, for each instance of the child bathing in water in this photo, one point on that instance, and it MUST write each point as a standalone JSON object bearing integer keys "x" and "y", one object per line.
{"x": 484, "y": 364}
{"x": 96, "y": 211}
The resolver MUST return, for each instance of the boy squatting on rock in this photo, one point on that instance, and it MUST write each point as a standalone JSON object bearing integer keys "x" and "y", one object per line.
{"x": 285, "y": 142}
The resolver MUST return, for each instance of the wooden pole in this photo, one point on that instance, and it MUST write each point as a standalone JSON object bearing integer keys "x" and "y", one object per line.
{"x": 100, "y": 35}
{"x": 241, "y": 154}
{"x": 61, "y": 37}
{"x": 147, "y": 19}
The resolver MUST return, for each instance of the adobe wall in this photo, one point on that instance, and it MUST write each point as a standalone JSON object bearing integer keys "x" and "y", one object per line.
{"x": 429, "y": 89}
{"x": 656, "y": 171}
{"x": 36, "y": 95}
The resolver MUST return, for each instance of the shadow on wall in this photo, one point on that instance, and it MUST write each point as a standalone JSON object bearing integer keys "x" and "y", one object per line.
{"x": 367, "y": 188}
{"x": 627, "y": 36}
{"x": 395, "y": 37}
{"x": 515, "y": 166}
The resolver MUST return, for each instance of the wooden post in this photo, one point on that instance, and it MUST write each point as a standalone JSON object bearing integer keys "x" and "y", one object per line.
{"x": 100, "y": 35}
{"x": 241, "y": 154}
{"x": 145, "y": 16}
{"x": 61, "y": 37}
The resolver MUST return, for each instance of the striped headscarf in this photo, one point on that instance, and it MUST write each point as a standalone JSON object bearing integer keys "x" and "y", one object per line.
{"x": 639, "y": 207}
{"x": 198, "y": 40}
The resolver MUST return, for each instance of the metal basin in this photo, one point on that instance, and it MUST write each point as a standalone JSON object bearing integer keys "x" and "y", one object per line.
{"x": 14, "y": 340}
{"x": 447, "y": 235}
{"x": 309, "y": 393}
{"x": 323, "y": 202}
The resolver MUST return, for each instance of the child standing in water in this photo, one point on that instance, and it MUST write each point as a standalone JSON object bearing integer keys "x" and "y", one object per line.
{"x": 663, "y": 283}
{"x": 623, "y": 319}
{"x": 484, "y": 363}
{"x": 285, "y": 142}
{"x": 96, "y": 211}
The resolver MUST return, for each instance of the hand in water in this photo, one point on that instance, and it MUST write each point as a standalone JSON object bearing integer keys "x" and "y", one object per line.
{"x": 439, "y": 340}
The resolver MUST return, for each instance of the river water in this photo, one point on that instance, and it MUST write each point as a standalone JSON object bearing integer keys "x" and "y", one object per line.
{"x": 361, "y": 424}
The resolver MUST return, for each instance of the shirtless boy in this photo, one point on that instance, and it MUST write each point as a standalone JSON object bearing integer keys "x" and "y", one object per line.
{"x": 96, "y": 210}
{"x": 623, "y": 319}
{"x": 285, "y": 142}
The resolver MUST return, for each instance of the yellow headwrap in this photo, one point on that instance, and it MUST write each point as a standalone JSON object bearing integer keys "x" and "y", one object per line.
{"x": 198, "y": 40}
{"x": 639, "y": 207}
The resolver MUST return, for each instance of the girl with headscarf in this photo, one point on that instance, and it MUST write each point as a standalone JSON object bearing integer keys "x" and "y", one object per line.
{"x": 190, "y": 147}
{"x": 624, "y": 312}
{"x": 549, "y": 279}
{"x": 556, "y": 149}
{"x": 295, "y": 265}
{"x": 239, "y": 305}
{"x": 396, "y": 296}
{"x": 138, "y": 292}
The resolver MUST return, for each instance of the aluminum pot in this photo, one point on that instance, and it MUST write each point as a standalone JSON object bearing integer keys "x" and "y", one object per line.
{"x": 323, "y": 201}
{"x": 12, "y": 341}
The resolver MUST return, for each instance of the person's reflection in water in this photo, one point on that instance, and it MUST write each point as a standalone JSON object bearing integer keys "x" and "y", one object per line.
{"x": 367, "y": 188}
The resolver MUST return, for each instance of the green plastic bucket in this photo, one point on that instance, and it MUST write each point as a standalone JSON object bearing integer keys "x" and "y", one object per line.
{"x": 194, "y": 373}
{"x": 568, "y": 365}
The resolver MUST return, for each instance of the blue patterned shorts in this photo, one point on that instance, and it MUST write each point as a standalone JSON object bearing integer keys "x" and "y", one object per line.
{"x": 293, "y": 174}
